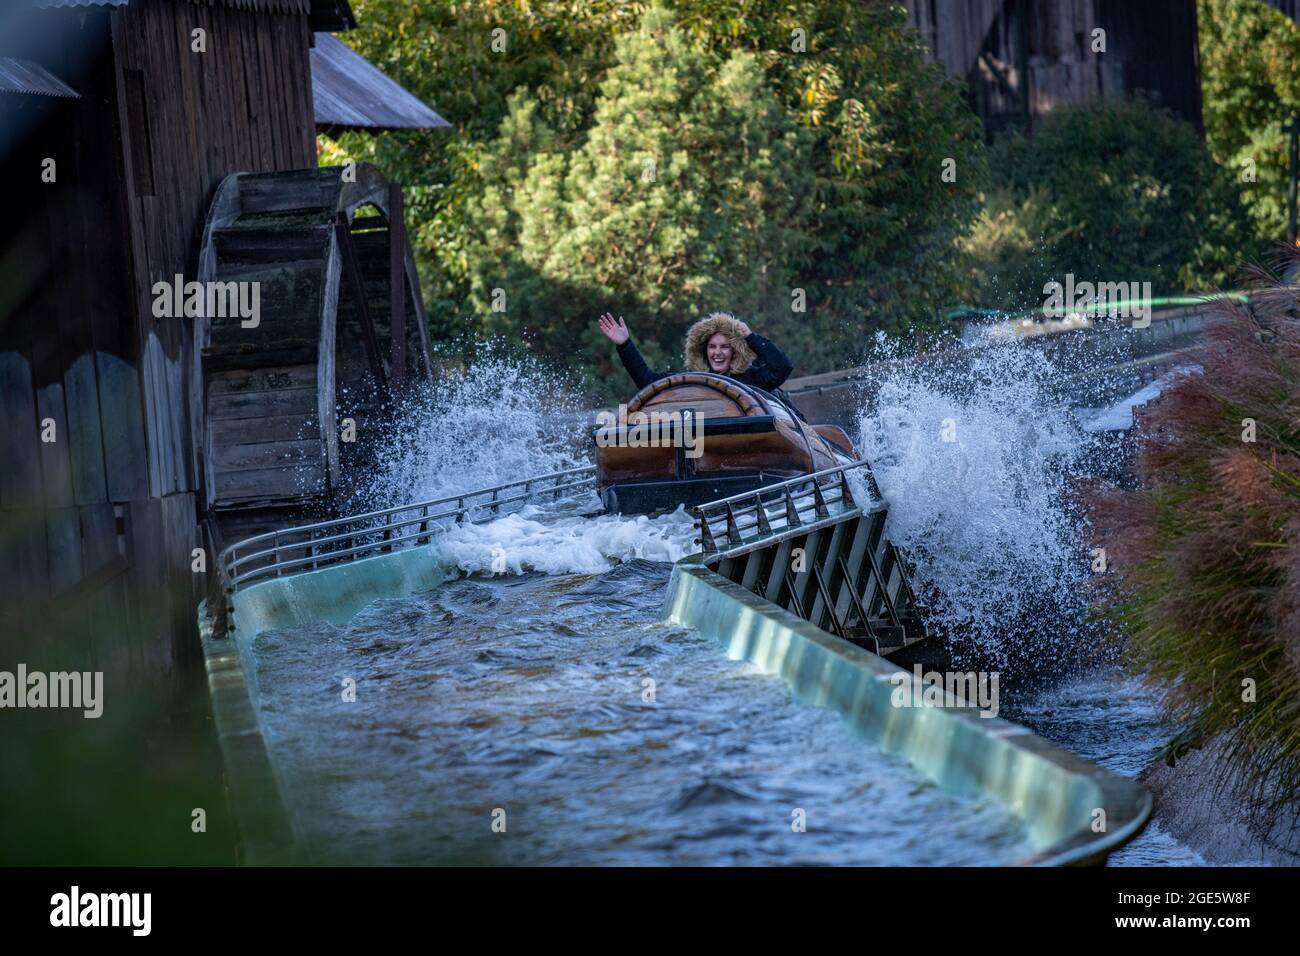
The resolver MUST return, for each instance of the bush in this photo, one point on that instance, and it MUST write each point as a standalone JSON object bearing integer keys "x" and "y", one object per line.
{"x": 1207, "y": 550}
{"x": 1109, "y": 190}
{"x": 866, "y": 229}
{"x": 1250, "y": 88}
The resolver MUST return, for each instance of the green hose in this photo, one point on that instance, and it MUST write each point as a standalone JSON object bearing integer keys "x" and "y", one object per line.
{"x": 964, "y": 312}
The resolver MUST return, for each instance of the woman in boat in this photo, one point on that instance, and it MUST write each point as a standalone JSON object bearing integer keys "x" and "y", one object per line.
{"x": 719, "y": 343}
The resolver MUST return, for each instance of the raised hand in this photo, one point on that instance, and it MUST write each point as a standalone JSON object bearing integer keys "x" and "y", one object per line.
{"x": 614, "y": 329}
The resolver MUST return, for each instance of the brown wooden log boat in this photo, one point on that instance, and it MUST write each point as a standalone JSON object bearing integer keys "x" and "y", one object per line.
{"x": 694, "y": 437}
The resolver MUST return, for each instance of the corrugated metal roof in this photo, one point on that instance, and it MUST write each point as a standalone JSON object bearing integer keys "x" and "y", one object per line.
{"x": 50, "y": 4}
{"x": 24, "y": 76}
{"x": 333, "y": 15}
{"x": 263, "y": 6}
{"x": 350, "y": 91}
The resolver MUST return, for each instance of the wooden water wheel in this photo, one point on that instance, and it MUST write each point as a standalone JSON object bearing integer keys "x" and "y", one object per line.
{"x": 278, "y": 402}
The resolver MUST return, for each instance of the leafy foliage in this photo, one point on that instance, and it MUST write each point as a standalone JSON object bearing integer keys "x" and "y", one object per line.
{"x": 845, "y": 117}
{"x": 1251, "y": 87}
{"x": 682, "y": 194}
{"x": 1109, "y": 190}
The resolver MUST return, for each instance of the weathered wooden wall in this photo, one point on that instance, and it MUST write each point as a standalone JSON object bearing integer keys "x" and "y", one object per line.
{"x": 104, "y": 518}
{"x": 68, "y": 353}
{"x": 244, "y": 105}
{"x": 1022, "y": 58}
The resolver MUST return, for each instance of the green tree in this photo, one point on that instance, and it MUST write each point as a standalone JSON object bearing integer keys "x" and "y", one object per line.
{"x": 879, "y": 123}
{"x": 447, "y": 53}
{"x": 1110, "y": 190}
{"x": 684, "y": 195}
{"x": 1250, "y": 86}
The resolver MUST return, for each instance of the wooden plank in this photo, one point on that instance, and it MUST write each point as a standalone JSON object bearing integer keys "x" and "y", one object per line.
{"x": 287, "y": 192}
{"x": 273, "y": 428}
{"x": 143, "y": 526}
{"x": 268, "y": 403}
{"x": 63, "y": 542}
{"x": 56, "y": 462}
{"x": 20, "y": 476}
{"x": 24, "y": 562}
{"x": 84, "y": 435}
{"x": 275, "y": 485}
{"x": 229, "y": 457}
{"x": 98, "y": 536}
{"x": 425, "y": 355}
{"x": 250, "y": 356}
{"x": 269, "y": 91}
{"x": 343, "y": 236}
{"x": 262, "y": 246}
{"x": 397, "y": 286}
{"x": 256, "y": 101}
{"x": 304, "y": 111}
{"x": 325, "y": 375}
{"x": 184, "y": 586}
{"x": 238, "y": 157}
{"x": 196, "y": 124}
{"x": 134, "y": 253}
{"x": 125, "y": 452}
{"x": 166, "y": 400}
{"x": 276, "y": 57}
{"x": 219, "y": 383}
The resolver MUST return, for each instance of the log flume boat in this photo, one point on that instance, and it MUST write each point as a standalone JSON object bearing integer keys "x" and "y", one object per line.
{"x": 695, "y": 437}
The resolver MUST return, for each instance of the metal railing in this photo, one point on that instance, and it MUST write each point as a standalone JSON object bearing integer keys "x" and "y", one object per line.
{"x": 785, "y": 509}
{"x": 309, "y": 547}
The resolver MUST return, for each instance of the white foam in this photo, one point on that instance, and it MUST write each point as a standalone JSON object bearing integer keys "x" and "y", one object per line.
{"x": 531, "y": 540}
{"x": 983, "y": 516}
{"x": 503, "y": 419}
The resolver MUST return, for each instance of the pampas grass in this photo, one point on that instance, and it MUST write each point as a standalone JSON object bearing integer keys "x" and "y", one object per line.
{"x": 1207, "y": 548}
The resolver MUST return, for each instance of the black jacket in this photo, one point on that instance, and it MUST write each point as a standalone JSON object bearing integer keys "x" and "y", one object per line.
{"x": 770, "y": 368}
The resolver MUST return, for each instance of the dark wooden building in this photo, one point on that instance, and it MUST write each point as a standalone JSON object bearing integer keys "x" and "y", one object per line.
{"x": 1021, "y": 58}
{"x": 128, "y": 128}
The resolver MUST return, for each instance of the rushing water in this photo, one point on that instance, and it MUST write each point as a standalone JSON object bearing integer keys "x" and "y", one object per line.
{"x": 978, "y": 473}
{"x": 1110, "y": 718}
{"x": 603, "y": 736}
{"x": 521, "y": 687}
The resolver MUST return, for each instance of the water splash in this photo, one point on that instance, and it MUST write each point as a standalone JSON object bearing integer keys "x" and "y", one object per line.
{"x": 976, "y": 470}
{"x": 531, "y": 540}
{"x": 505, "y": 418}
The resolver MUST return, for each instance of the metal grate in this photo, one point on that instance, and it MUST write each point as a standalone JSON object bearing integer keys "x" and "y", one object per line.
{"x": 309, "y": 547}
{"x": 853, "y": 581}
{"x": 735, "y": 525}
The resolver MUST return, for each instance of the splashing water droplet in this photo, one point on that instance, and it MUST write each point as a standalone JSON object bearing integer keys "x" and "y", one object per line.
{"x": 975, "y": 469}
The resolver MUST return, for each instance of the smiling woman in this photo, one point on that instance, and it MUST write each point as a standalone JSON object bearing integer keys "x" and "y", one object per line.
{"x": 718, "y": 343}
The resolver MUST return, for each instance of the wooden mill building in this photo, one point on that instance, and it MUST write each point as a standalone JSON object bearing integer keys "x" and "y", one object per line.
{"x": 145, "y": 140}
{"x": 1019, "y": 59}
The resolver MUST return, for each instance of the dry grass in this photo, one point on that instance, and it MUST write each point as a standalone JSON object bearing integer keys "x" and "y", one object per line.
{"x": 1207, "y": 548}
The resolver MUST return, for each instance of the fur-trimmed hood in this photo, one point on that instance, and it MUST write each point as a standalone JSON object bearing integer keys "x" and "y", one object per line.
{"x": 697, "y": 340}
